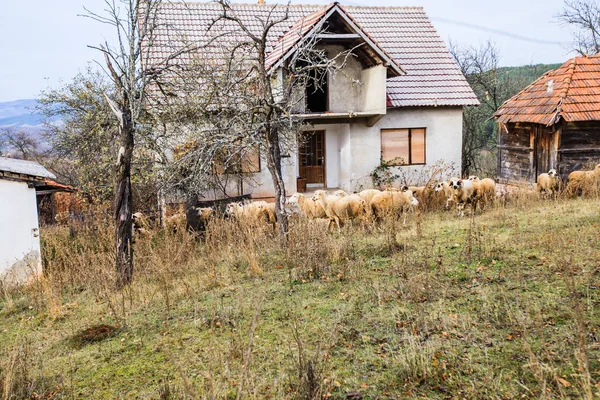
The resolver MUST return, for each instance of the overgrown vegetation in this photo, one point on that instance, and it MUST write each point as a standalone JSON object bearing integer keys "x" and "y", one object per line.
{"x": 501, "y": 305}
{"x": 493, "y": 85}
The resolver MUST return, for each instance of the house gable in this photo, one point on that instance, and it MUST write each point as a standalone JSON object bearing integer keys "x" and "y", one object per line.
{"x": 332, "y": 25}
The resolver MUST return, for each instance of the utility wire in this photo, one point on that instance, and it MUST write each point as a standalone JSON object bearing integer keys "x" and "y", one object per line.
{"x": 497, "y": 31}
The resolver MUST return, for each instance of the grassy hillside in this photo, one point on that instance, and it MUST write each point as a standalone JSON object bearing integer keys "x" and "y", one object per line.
{"x": 500, "y": 306}
{"x": 525, "y": 73}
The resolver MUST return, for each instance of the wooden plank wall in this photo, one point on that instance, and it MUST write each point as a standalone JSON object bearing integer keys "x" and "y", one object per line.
{"x": 579, "y": 147}
{"x": 515, "y": 152}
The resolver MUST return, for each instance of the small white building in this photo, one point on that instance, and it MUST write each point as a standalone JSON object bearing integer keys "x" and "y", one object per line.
{"x": 20, "y": 256}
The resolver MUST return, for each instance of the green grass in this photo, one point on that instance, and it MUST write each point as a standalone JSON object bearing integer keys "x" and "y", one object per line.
{"x": 475, "y": 308}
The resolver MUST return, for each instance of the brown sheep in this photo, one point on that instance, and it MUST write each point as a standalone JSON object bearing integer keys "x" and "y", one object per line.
{"x": 582, "y": 182}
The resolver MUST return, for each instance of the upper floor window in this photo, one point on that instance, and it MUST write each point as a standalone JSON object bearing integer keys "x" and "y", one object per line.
{"x": 403, "y": 146}
{"x": 317, "y": 91}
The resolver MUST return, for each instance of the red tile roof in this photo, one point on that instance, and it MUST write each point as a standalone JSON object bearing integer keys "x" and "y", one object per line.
{"x": 289, "y": 39}
{"x": 569, "y": 92}
{"x": 404, "y": 33}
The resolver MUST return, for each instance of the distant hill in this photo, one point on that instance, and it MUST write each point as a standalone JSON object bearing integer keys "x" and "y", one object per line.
{"x": 524, "y": 74}
{"x": 21, "y": 115}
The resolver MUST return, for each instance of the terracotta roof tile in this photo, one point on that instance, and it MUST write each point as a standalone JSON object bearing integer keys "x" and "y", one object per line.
{"x": 404, "y": 33}
{"x": 569, "y": 92}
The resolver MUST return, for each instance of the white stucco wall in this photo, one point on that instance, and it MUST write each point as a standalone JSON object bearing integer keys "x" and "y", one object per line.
{"x": 353, "y": 150}
{"x": 443, "y": 142}
{"x": 19, "y": 232}
{"x": 374, "y": 96}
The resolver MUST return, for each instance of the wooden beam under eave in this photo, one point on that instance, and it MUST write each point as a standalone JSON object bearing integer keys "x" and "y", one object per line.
{"x": 338, "y": 36}
{"x": 371, "y": 121}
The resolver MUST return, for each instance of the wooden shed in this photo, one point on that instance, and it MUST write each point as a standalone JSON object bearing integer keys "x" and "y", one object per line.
{"x": 552, "y": 123}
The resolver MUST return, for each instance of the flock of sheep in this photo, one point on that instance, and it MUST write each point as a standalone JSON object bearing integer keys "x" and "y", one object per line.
{"x": 373, "y": 204}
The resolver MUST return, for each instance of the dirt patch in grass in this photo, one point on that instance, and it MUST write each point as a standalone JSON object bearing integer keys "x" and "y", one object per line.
{"x": 94, "y": 334}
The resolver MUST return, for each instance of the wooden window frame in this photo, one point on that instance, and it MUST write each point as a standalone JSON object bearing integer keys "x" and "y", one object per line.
{"x": 410, "y": 150}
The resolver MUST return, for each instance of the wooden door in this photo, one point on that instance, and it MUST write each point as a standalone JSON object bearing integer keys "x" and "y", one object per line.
{"x": 545, "y": 150}
{"x": 311, "y": 154}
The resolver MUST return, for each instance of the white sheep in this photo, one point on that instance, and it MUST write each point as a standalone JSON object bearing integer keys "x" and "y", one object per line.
{"x": 308, "y": 207}
{"x": 464, "y": 193}
{"x": 547, "y": 183}
{"x": 445, "y": 188}
{"x": 175, "y": 222}
{"x": 368, "y": 194}
{"x": 258, "y": 212}
{"x": 340, "y": 209}
{"x": 485, "y": 189}
{"x": 340, "y": 193}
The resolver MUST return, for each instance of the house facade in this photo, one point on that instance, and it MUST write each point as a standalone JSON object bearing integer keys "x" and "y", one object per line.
{"x": 400, "y": 96}
{"x": 554, "y": 123}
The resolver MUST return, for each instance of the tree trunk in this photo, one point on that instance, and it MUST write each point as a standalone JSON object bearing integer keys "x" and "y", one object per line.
{"x": 274, "y": 166}
{"x": 123, "y": 201}
{"x": 191, "y": 214}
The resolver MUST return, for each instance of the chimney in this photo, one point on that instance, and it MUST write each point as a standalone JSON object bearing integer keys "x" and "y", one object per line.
{"x": 261, "y": 1}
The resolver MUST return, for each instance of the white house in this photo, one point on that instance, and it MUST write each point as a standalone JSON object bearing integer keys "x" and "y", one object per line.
{"x": 401, "y": 96}
{"x": 20, "y": 256}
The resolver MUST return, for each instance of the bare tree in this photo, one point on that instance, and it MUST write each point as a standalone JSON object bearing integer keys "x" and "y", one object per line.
{"x": 135, "y": 23}
{"x": 19, "y": 143}
{"x": 480, "y": 67}
{"x": 584, "y": 17}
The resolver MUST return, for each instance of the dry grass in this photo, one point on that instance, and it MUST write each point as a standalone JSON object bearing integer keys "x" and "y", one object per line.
{"x": 497, "y": 305}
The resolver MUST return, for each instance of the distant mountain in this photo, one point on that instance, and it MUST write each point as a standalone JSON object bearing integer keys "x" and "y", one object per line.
{"x": 21, "y": 115}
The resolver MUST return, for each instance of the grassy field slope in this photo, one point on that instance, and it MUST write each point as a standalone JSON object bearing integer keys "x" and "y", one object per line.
{"x": 503, "y": 305}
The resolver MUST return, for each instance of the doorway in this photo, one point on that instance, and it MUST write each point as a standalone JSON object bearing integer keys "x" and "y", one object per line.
{"x": 311, "y": 157}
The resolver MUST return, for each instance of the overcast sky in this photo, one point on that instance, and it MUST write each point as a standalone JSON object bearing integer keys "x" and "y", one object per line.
{"x": 43, "y": 42}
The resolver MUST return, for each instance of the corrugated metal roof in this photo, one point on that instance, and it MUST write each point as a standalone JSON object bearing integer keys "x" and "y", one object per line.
{"x": 24, "y": 167}
{"x": 569, "y": 92}
{"x": 404, "y": 33}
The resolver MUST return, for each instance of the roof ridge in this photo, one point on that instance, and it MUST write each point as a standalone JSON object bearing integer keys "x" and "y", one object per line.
{"x": 569, "y": 78}
{"x": 563, "y": 92}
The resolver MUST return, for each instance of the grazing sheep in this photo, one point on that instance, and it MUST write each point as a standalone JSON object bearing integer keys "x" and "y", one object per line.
{"x": 445, "y": 188}
{"x": 417, "y": 190}
{"x": 392, "y": 203}
{"x": 205, "y": 215}
{"x": 258, "y": 212}
{"x": 368, "y": 194}
{"x": 485, "y": 189}
{"x": 340, "y": 193}
{"x": 176, "y": 222}
{"x": 581, "y": 182}
{"x": 308, "y": 207}
{"x": 547, "y": 183}
{"x": 340, "y": 209}
{"x": 464, "y": 193}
